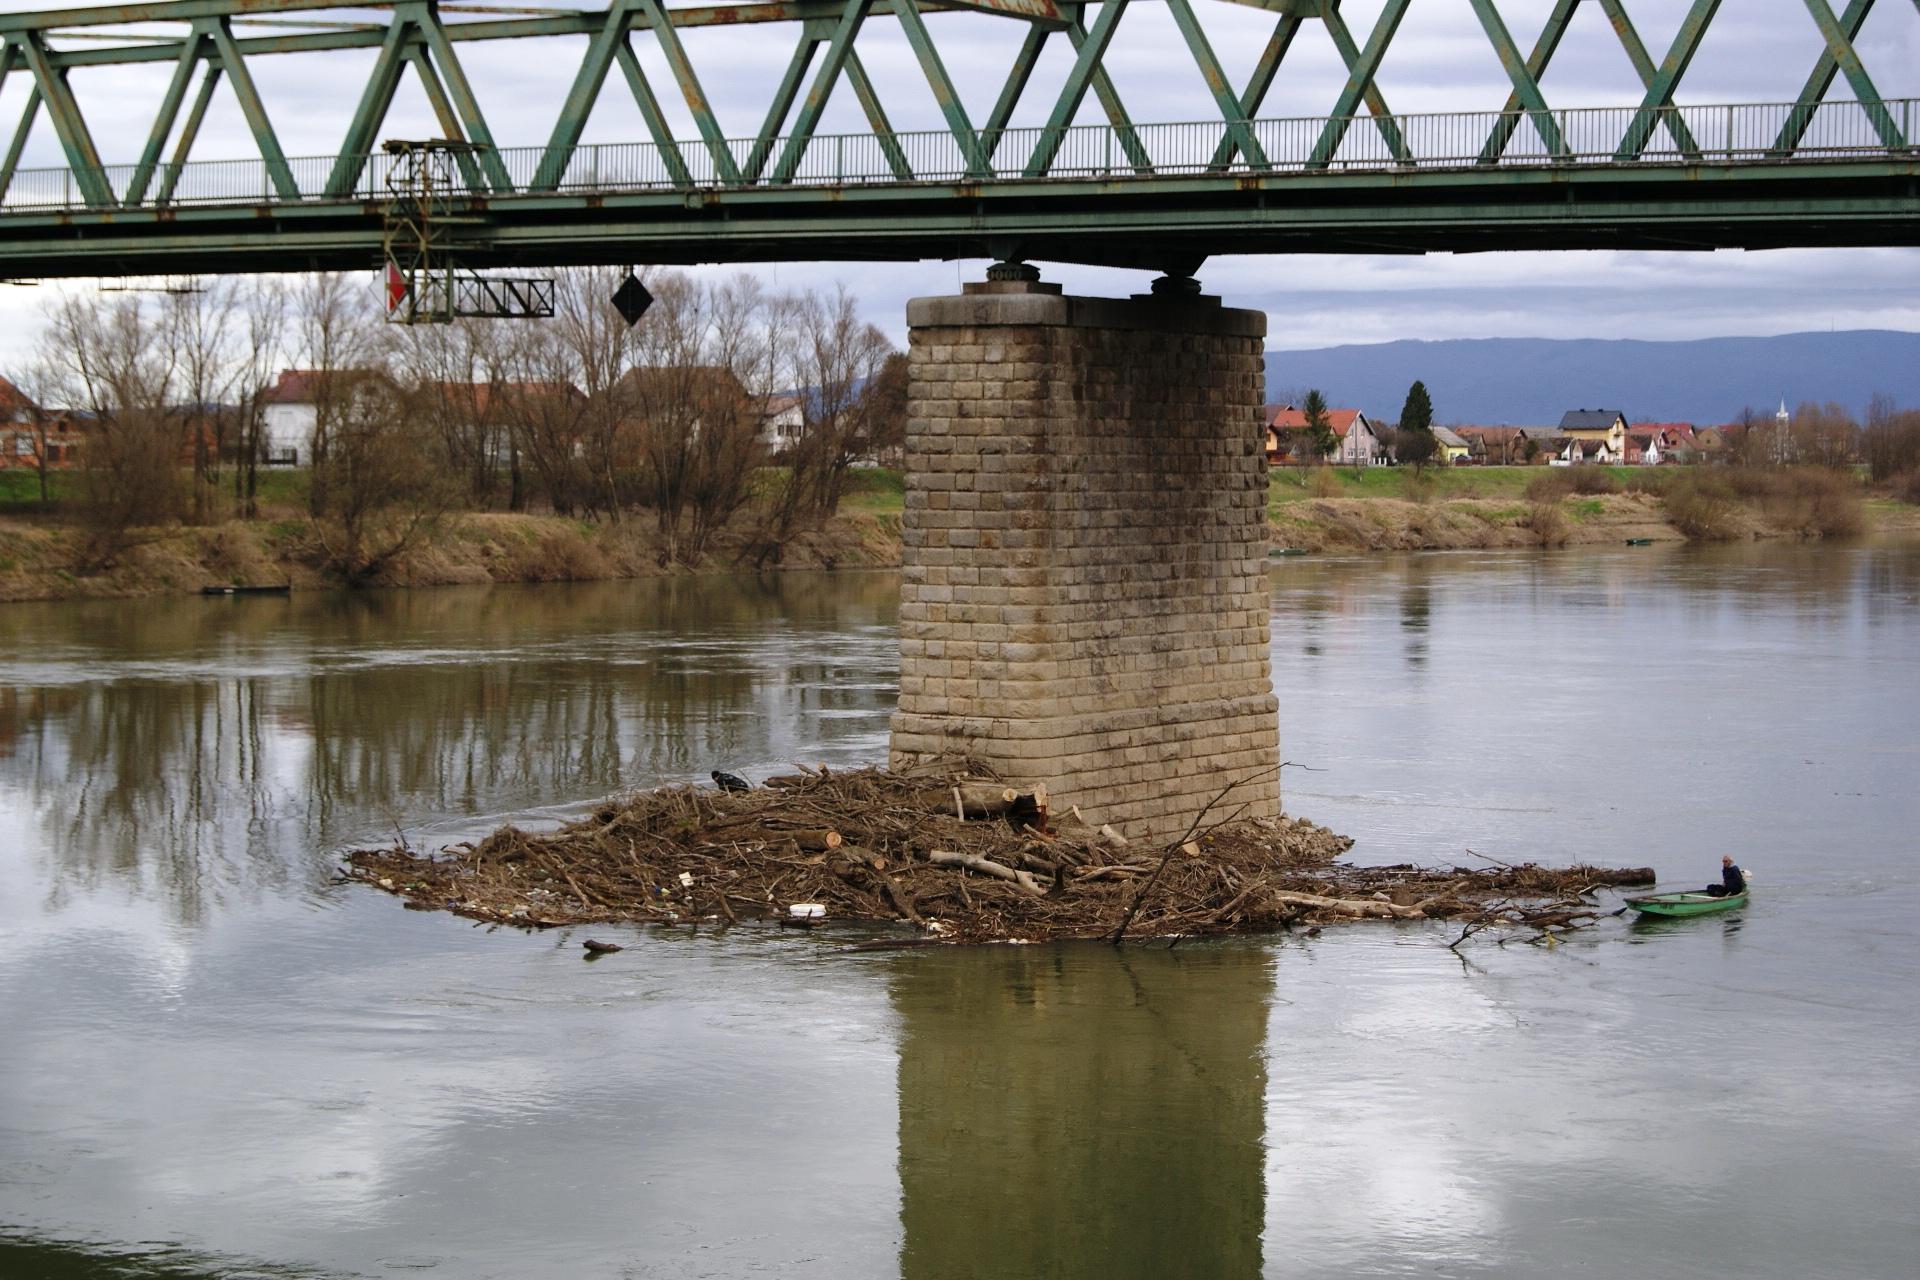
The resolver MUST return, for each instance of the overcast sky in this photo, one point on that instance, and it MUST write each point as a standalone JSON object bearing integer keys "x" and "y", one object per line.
{"x": 1756, "y": 51}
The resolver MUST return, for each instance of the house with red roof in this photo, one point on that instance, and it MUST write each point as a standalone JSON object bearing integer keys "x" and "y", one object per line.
{"x": 289, "y": 414}
{"x": 1652, "y": 443}
{"x": 1357, "y": 442}
{"x": 30, "y": 434}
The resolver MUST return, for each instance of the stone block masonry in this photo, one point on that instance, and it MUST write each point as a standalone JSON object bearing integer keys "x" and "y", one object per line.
{"x": 1085, "y": 599}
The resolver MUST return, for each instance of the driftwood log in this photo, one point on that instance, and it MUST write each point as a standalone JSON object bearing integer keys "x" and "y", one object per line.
{"x": 986, "y": 867}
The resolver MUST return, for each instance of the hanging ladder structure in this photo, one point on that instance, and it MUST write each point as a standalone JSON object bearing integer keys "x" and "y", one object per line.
{"x": 423, "y": 280}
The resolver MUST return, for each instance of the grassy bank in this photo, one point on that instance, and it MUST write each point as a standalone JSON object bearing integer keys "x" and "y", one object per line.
{"x": 1379, "y": 509}
{"x": 1393, "y": 509}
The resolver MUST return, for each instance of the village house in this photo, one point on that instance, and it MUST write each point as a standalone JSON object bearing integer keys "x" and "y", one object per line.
{"x": 1654, "y": 443}
{"x": 1453, "y": 447}
{"x": 1576, "y": 451}
{"x": 26, "y": 430}
{"x": 1510, "y": 446}
{"x": 1595, "y": 426}
{"x": 289, "y": 415}
{"x": 782, "y": 422}
{"x": 1357, "y": 441}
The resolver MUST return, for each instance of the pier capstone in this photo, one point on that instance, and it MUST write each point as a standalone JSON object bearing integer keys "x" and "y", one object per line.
{"x": 1085, "y": 600}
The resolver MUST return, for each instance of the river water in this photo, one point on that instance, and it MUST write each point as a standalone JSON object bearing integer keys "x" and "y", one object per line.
{"x": 216, "y": 1060}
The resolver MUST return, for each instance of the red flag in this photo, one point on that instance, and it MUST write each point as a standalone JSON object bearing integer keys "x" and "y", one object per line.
{"x": 397, "y": 288}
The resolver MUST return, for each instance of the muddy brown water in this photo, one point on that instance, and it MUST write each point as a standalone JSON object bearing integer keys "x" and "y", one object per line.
{"x": 216, "y": 1061}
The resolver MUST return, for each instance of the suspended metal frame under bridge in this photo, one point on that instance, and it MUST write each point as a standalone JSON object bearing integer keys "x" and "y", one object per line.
{"x": 1804, "y": 170}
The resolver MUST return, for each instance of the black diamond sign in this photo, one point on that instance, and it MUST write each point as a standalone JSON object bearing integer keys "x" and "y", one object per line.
{"x": 631, "y": 299}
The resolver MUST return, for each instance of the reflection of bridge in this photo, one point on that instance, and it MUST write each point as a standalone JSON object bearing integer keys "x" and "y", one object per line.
{"x": 1358, "y": 178}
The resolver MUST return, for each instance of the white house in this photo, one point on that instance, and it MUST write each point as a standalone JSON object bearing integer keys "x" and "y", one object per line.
{"x": 288, "y": 415}
{"x": 1356, "y": 441}
{"x": 782, "y": 422}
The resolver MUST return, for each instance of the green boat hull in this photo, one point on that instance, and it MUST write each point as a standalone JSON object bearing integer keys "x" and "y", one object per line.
{"x": 1686, "y": 904}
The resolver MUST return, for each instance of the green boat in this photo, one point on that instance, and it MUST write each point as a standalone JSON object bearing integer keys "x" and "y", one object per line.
{"x": 1687, "y": 904}
{"x": 1639, "y": 542}
{"x": 1288, "y": 551}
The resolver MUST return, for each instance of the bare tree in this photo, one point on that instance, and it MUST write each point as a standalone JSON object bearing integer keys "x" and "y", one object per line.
{"x": 335, "y": 333}
{"x": 544, "y": 414}
{"x": 1824, "y": 434}
{"x": 704, "y": 359}
{"x": 838, "y": 360}
{"x": 1891, "y": 441}
{"x": 598, "y": 348}
{"x": 260, "y": 354}
{"x": 119, "y": 361}
{"x": 455, "y": 371}
{"x": 377, "y": 486}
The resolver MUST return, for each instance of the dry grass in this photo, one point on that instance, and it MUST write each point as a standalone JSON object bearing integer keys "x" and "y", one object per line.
{"x": 1324, "y": 482}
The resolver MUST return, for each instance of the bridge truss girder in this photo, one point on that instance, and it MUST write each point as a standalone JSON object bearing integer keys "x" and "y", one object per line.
{"x": 1146, "y": 225}
{"x": 418, "y": 35}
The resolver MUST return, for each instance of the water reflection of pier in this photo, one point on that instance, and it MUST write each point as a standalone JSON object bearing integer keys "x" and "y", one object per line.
{"x": 1081, "y": 1111}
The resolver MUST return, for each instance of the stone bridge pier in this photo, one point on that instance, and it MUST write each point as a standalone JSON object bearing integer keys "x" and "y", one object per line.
{"x": 1086, "y": 598}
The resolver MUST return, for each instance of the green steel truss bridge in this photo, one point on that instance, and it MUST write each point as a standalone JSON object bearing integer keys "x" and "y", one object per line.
{"x": 1831, "y": 162}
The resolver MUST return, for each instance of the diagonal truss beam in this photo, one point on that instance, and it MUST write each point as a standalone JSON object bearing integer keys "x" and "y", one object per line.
{"x": 467, "y": 118}
{"x": 1091, "y": 46}
{"x": 1116, "y": 111}
{"x": 944, "y": 93}
{"x": 1526, "y": 87}
{"x": 1536, "y": 66}
{"x": 1644, "y": 67}
{"x": 1362, "y": 66}
{"x": 1018, "y": 75}
{"x": 1260, "y": 81}
{"x": 375, "y": 98}
{"x": 182, "y": 148}
{"x": 876, "y": 118}
{"x": 1821, "y": 79}
{"x": 192, "y": 52}
{"x": 83, "y": 161}
{"x": 1840, "y": 47}
{"x": 811, "y": 38}
{"x": 657, "y": 127}
{"x": 251, "y": 106}
{"x": 1658, "y": 104}
{"x": 1239, "y": 128}
{"x": 838, "y": 47}
{"x": 443, "y": 111}
{"x": 703, "y": 118}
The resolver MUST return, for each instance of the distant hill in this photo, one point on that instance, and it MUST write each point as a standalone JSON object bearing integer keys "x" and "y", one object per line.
{"x": 1523, "y": 381}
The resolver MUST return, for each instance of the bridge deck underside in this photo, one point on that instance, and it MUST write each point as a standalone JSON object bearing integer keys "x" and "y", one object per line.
{"x": 1122, "y": 221}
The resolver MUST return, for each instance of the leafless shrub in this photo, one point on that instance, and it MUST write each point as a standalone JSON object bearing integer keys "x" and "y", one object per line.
{"x": 1702, "y": 507}
{"x": 1891, "y": 442}
{"x": 1549, "y": 523}
{"x": 118, "y": 362}
{"x": 1550, "y": 485}
{"x": 377, "y": 487}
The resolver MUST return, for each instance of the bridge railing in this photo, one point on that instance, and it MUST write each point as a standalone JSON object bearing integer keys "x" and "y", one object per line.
{"x": 1750, "y": 133}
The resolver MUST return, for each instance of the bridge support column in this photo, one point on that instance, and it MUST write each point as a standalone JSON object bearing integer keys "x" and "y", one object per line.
{"x": 1086, "y": 597}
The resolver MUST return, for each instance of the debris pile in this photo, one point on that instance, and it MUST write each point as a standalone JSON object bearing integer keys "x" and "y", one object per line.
{"x": 953, "y": 852}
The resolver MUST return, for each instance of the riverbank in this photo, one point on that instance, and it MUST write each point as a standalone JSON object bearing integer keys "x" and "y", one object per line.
{"x": 1327, "y": 510}
{"x": 37, "y": 557}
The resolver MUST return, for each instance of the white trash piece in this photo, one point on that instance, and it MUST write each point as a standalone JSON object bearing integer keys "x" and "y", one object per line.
{"x": 807, "y": 911}
{"x": 686, "y": 879}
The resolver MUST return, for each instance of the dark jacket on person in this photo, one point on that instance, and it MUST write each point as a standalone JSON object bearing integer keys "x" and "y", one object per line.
{"x": 1733, "y": 879}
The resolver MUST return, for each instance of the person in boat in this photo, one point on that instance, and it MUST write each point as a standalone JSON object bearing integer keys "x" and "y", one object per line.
{"x": 1732, "y": 880}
